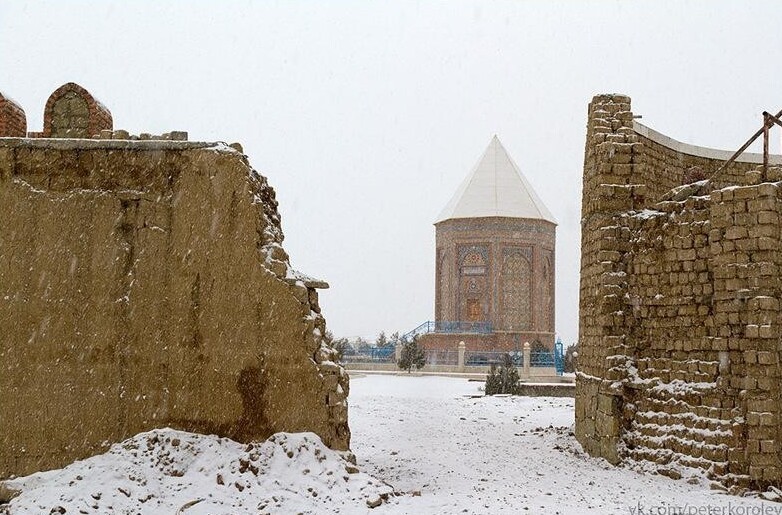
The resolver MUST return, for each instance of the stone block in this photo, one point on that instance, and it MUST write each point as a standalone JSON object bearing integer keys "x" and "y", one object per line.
{"x": 608, "y": 404}
{"x": 768, "y": 331}
{"x": 749, "y": 192}
{"x": 768, "y": 190}
{"x": 772, "y": 473}
{"x": 753, "y": 177}
{"x": 736, "y": 232}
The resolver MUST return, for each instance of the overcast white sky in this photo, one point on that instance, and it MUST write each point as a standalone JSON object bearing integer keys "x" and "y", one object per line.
{"x": 366, "y": 116}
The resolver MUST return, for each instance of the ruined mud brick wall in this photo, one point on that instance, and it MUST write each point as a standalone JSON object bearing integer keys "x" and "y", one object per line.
{"x": 143, "y": 284}
{"x": 679, "y": 349}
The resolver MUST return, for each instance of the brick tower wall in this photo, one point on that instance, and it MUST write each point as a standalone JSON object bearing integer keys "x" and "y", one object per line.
{"x": 499, "y": 270}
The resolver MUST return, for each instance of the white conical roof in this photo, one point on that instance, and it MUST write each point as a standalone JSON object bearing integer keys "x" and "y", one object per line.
{"x": 495, "y": 187}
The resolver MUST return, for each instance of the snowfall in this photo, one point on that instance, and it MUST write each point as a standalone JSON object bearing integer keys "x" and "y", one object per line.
{"x": 422, "y": 445}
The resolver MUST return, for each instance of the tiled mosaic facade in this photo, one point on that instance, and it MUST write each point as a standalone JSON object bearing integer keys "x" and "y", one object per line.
{"x": 497, "y": 270}
{"x": 516, "y": 281}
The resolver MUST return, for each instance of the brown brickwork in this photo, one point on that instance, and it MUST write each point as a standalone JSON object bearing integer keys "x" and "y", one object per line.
{"x": 679, "y": 347}
{"x": 13, "y": 121}
{"x": 72, "y": 112}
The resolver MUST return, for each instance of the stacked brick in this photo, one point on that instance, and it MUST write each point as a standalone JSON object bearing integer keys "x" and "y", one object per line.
{"x": 747, "y": 255}
{"x": 72, "y": 112}
{"x": 13, "y": 122}
{"x": 665, "y": 168}
{"x": 679, "y": 358}
{"x": 609, "y": 188}
{"x": 671, "y": 407}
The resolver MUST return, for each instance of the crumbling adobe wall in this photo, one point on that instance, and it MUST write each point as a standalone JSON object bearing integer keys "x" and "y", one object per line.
{"x": 143, "y": 284}
{"x": 679, "y": 349}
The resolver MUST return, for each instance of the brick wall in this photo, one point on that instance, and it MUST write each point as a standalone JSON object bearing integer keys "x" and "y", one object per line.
{"x": 679, "y": 306}
{"x": 72, "y": 112}
{"x": 13, "y": 122}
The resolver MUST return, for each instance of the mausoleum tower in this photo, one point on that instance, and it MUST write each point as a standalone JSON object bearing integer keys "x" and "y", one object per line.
{"x": 495, "y": 258}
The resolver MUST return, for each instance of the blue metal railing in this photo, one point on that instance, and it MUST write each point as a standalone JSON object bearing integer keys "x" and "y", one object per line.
{"x": 559, "y": 357}
{"x": 542, "y": 359}
{"x": 371, "y": 355}
{"x": 441, "y": 357}
{"x": 426, "y": 327}
{"x": 479, "y": 358}
{"x": 449, "y": 326}
{"x": 387, "y": 354}
{"x": 536, "y": 358}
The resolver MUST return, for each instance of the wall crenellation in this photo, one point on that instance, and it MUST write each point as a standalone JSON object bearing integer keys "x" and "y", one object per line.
{"x": 680, "y": 307}
{"x": 71, "y": 112}
{"x": 13, "y": 121}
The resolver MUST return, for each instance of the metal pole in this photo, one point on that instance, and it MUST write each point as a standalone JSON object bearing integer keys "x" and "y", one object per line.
{"x": 740, "y": 151}
{"x": 765, "y": 145}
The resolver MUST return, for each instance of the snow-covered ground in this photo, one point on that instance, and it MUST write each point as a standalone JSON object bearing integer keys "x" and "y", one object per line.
{"x": 166, "y": 471}
{"x": 442, "y": 447}
{"x": 491, "y": 455}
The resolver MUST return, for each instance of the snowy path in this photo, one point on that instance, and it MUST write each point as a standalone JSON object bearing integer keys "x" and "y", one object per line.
{"x": 489, "y": 455}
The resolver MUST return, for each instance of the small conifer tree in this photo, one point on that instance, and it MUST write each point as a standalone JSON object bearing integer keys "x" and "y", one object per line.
{"x": 340, "y": 345}
{"x": 502, "y": 379}
{"x": 395, "y": 339}
{"x": 492, "y": 385}
{"x": 412, "y": 355}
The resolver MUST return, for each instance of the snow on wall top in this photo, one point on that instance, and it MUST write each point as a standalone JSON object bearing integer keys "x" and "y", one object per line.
{"x": 705, "y": 152}
{"x": 496, "y": 187}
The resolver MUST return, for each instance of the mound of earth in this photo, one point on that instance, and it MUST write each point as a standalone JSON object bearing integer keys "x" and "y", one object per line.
{"x": 168, "y": 471}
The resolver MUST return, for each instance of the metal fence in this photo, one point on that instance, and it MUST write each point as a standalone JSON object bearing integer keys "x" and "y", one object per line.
{"x": 474, "y": 358}
{"x": 449, "y": 326}
{"x": 371, "y": 355}
{"x": 536, "y": 359}
{"x": 441, "y": 357}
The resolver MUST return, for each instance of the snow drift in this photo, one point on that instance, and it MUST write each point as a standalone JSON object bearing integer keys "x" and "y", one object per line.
{"x": 168, "y": 471}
